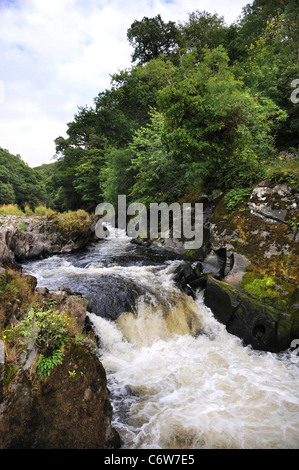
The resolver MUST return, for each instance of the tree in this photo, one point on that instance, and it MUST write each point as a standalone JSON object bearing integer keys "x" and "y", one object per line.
{"x": 116, "y": 176}
{"x": 212, "y": 122}
{"x": 87, "y": 181}
{"x": 151, "y": 37}
{"x": 203, "y": 31}
{"x": 158, "y": 178}
{"x": 19, "y": 183}
{"x": 269, "y": 69}
{"x": 7, "y": 194}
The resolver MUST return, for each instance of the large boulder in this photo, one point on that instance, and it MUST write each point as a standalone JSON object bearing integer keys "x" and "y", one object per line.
{"x": 23, "y": 238}
{"x": 258, "y": 300}
{"x": 70, "y": 409}
{"x": 257, "y": 324}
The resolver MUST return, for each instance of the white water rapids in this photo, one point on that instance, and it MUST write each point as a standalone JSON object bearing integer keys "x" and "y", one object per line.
{"x": 177, "y": 379}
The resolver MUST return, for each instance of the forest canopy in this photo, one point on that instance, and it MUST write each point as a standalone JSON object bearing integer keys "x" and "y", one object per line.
{"x": 204, "y": 106}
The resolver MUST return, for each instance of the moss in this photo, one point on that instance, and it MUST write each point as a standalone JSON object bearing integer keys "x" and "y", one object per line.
{"x": 72, "y": 225}
{"x": 270, "y": 290}
{"x": 221, "y": 211}
{"x": 269, "y": 247}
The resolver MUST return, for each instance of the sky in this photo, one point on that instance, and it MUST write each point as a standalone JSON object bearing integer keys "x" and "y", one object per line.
{"x": 58, "y": 55}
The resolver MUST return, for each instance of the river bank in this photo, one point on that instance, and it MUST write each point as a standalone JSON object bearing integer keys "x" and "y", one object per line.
{"x": 164, "y": 322}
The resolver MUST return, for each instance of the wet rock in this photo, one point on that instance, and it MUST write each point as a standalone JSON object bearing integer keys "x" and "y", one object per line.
{"x": 259, "y": 325}
{"x": 190, "y": 276}
{"x": 62, "y": 411}
{"x": 236, "y": 273}
{"x": 41, "y": 238}
{"x": 110, "y": 296}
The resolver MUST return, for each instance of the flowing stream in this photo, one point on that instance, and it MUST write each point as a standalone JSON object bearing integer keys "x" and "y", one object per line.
{"x": 177, "y": 379}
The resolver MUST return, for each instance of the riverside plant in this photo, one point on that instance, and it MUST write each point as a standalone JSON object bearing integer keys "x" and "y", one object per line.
{"x": 48, "y": 329}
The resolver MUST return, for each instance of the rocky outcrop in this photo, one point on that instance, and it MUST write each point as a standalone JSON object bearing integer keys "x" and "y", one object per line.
{"x": 250, "y": 274}
{"x": 70, "y": 409}
{"x": 265, "y": 231}
{"x": 259, "y": 298}
{"x": 23, "y": 238}
{"x": 258, "y": 324}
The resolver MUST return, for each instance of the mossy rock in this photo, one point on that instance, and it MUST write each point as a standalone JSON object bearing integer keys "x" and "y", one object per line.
{"x": 271, "y": 248}
{"x": 70, "y": 409}
{"x": 271, "y": 290}
{"x": 260, "y": 325}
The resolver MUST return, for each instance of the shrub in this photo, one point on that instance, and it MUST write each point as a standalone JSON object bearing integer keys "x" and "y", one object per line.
{"x": 45, "y": 364}
{"x": 10, "y": 209}
{"x": 42, "y": 210}
{"x": 236, "y": 197}
{"x": 284, "y": 169}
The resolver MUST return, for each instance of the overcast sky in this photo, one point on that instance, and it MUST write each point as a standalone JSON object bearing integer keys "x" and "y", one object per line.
{"x": 56, "y": 55}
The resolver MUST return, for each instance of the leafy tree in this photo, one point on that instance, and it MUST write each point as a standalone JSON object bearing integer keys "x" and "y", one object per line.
{"x": 253, "y": 21}
{"x": 117, "y": 175}
{"x": 158, "y": 177}
{"x": 204, "y": 31}
{"x": 151, "y": 37}
{"x": 7, "y": 194}
{"x": 270, "y": 68}
{"x": 19, "y": 183}
{"x": 212, "y": 122}
{"x": 86, "y": 181}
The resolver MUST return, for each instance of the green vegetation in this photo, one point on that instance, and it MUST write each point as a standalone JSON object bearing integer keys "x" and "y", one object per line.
{"x": 28, "y": 318}
{"x": 19, "y": 184}
{"x": 203, "y": 105}
{"x": 271, "y": 290}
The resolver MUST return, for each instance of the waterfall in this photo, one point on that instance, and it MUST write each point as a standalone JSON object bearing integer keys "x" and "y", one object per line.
{"x": 178, "y": 379}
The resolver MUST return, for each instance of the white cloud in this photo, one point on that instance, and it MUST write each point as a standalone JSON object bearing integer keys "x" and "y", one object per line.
{"x": 58, "y": 55}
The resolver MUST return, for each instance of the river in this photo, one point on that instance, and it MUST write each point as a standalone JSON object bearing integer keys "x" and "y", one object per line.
{"x": 177, "y": 379}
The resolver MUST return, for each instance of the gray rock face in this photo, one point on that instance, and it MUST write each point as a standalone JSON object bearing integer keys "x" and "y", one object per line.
{"x": 258, "y": 325}
{"x": 273, "y": 204}
{"x": 23, "y": 238}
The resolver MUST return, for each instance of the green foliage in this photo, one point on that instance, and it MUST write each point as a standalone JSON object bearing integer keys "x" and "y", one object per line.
{"x": 19, "y": 184}
{"x": 236, "y": 197}
{"x": 203, "y": 31}
{"x": 271, "y": 63}
{"x": 221, "y": 95}
{"x": 10, "y": 209}
{"x": 42, "y": 210}
{"x": 284, "y": 168}
{"x": 117, "y": 175}
{"x": 46, "y": 328}
{"x": 211, "y": 121}
{"x": 71, "y": 222}
{"x": 22, "y": 227}
{"x": 87, "y": 181}
{"x": 158, "y": 176}
{"x": 45, "y": 364}
{"x": 151, "y": 37}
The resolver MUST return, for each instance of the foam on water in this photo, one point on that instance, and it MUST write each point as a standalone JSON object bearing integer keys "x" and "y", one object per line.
{"x": 177, "y": 378}
{"x": 180, "y": 391}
